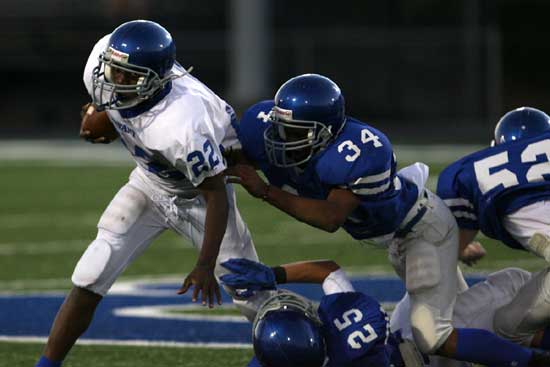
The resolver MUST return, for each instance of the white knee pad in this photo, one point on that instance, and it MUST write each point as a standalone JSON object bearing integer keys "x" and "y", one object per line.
{"x": 427, "y": 335}
{"x": 124, "y": 210}
{"x": 92, "y": 264}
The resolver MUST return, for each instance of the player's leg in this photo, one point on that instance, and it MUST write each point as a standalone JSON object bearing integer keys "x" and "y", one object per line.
{"x": 475, "y": 308}
{"x": 237, "y": 243}
{"x": 125, "y": 229}
{"x": 431, "y": 279}
{"x": 427, "y": 261}
{"x": 528, "y": 312}
{"x": 530, "y": 226}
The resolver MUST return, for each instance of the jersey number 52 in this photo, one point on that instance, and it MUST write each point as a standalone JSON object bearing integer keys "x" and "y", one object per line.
{"x": 489, "y": 178}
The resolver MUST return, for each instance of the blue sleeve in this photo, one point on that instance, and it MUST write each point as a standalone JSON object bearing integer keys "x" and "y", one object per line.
{"x": 250, "y": 130}
{"x": 455, "y": 187}
{"x": 354, "y": 325}
{"x": 254, "y": 363}
{"x": 361, "y": 160}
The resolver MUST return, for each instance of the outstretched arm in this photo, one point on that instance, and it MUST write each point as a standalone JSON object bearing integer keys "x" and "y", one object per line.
{"x": 252, "y": 276}
{"x": 328, "y": 215}
{"x": 217, "y": 209}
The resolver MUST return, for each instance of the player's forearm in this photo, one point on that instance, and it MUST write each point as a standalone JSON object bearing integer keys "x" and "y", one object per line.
{"x": 466, "y": 236}
{"x": 235, "y": 156}
{"x": 217, "y": 211}
{"x": 318, "y": 213}
{"x": 309, "y": 271}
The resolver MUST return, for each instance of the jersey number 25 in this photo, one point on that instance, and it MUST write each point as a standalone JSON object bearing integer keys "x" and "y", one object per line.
{"x": 354, "y": 316}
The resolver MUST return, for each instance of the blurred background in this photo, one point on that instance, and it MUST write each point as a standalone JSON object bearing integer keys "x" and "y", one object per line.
{"x": 422, "y": 71}
{"x": 434, "y": 75}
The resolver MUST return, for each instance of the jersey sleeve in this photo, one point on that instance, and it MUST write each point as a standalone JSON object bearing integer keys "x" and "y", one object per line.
{"x": 361, "y": 161}
{"x": 195, "y": 146}
{"x": 454, "y": 188}
{"x": 354, "y": 325}
{"x": 251, "y": 129}
{"x": 93, "y": 61}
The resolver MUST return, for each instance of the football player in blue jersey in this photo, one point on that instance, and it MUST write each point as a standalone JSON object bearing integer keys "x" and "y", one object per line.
{"x": 350, "y": 325}
{"x": 347, "y": 328}
{"x": 330, "y": 170}
{"x": 504, "y": 192}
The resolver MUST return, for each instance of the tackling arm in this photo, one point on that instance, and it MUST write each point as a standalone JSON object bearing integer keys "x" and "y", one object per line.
{"x": 328, "y": 215}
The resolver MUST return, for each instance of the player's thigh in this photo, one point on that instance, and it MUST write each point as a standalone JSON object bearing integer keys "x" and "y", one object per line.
{"x": 126, "y": 228}
{"x": 528, "y": 312}
{"x": 432, "y": 282}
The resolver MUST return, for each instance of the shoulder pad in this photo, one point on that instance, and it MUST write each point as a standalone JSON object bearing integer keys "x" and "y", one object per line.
{"x": 359, "y": 151}
{"x": 250, "y": 130}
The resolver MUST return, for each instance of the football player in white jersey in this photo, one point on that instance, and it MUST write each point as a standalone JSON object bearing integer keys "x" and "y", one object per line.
{"x": 175, "y": 128}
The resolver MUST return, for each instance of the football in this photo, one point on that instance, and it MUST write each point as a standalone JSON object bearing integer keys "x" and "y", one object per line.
{"x": 97, "y": 123}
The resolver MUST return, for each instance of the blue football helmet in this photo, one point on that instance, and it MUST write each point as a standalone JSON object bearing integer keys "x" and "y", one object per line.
{"x": 287, "y": 333}
{"x": 309, "y": 111}
{"x": 521, "y": 123}
{"x": 135, "y": 65}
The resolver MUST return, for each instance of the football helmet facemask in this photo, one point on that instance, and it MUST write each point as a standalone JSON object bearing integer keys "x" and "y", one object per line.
{"x": 135, "y": 66}
{"x": 309, "y": 111}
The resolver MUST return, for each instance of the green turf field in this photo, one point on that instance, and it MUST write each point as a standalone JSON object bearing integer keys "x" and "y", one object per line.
{"x": 47, "y": 218}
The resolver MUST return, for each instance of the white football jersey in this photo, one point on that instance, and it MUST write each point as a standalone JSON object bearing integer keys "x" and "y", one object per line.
{"x": 178, "y": 142}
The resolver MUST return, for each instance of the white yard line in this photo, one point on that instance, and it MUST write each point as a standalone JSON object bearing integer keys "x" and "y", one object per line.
{"x": 147, "y": 343}
{"x": 166, "y": 312}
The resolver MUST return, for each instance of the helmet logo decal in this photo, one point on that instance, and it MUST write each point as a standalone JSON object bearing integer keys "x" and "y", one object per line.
{"x": 116, "y": 55}
{"x": 282, "y": 113}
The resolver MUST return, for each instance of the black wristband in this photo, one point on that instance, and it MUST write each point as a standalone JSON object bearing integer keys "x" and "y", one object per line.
{"x": 280, "y": 274}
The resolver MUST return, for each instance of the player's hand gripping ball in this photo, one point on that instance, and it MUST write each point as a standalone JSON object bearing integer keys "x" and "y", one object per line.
{"x": 96, "y": 127}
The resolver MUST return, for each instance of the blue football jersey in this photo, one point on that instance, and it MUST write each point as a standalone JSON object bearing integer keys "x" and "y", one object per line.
{"x": 355, "y": 327}
{"x": 360, "y": 159}
{"x": 486, "y": 185}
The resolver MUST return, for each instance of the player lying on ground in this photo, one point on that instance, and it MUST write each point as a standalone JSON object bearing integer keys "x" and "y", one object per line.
{"x": 331, "y": 170}
{"x": 348, "y": 328}
{"x": 362, "y": 341}
{"x": 174, "y": 127}
{"x": 504, "y": 191}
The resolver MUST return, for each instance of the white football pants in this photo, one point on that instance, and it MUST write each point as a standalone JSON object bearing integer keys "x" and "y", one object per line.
{"x": 529, "y": 311}
{"x": 474, "y": 308}
{"x": 140, "y": 212}
{"x": 426, "y": 259}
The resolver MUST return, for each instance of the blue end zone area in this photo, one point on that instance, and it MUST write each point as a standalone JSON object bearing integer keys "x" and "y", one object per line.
{"x": 141, "y": 315}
